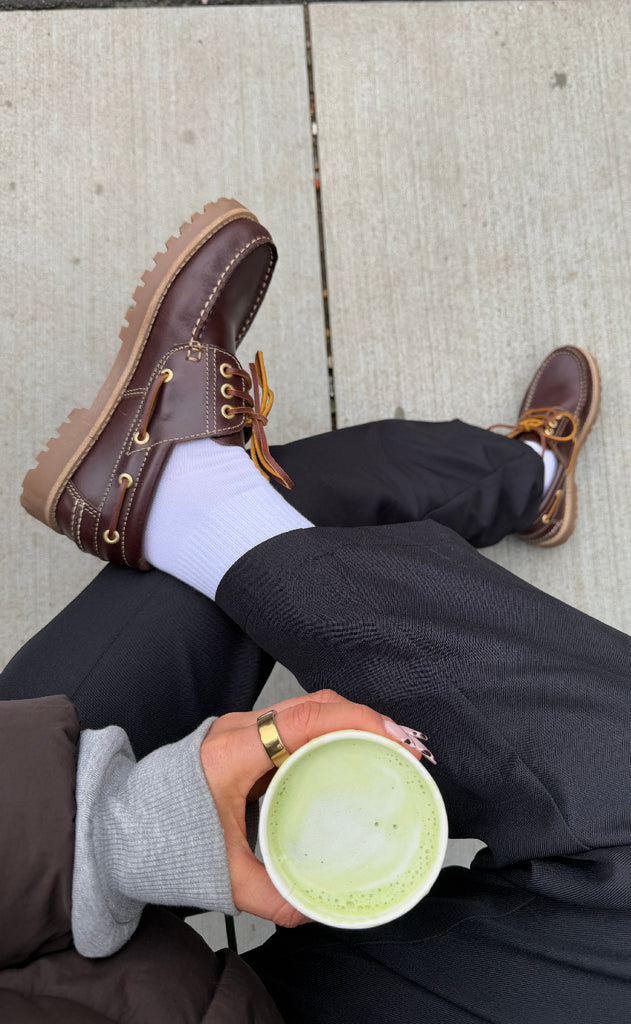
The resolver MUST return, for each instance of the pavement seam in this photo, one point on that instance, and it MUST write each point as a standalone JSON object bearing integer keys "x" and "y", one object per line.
{"x": 317, "y": 182}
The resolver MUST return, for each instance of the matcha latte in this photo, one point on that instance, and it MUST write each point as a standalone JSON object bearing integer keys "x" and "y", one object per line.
{"x": 353, "y": 830}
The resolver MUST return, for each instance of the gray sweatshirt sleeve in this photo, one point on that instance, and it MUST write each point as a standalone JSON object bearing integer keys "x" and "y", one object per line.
{"x": 146, "y": 832}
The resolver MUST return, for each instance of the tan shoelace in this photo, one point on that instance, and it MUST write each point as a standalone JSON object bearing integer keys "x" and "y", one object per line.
{"x": 255, "y": 410}
{"x": 543, "y": 422}
{"x": 257, "y": 417}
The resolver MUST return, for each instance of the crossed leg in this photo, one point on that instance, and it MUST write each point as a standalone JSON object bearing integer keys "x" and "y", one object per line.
{"x": 146, "y": 652}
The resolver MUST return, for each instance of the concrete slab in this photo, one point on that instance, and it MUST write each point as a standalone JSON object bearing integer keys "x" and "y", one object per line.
{"x": 115, "y": 126}
{"x": 476, "y": 186}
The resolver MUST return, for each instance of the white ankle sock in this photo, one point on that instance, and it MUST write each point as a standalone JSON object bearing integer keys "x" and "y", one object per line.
{"x": 211, "y": 506}
{"x": 550, "y": 463}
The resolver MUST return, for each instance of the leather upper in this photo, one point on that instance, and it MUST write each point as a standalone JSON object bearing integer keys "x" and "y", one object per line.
{"x": 204, "y": 314}
{"x": 564, "y": 382}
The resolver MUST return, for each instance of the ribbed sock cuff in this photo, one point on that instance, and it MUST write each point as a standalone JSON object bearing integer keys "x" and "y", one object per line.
{"x": 211, "y": 507}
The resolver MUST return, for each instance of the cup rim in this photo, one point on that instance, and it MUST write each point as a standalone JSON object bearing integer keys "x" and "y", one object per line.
{"x": 416, "y": 894}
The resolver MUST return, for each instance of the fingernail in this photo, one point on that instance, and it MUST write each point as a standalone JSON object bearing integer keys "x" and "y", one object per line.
{"x": 409, "y": 738}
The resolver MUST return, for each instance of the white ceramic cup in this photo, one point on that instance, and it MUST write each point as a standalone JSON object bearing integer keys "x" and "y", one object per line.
{"x": 353, "y": 830}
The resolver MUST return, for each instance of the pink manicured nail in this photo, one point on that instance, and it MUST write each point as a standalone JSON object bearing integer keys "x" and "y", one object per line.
{"x": 409, "y": 738}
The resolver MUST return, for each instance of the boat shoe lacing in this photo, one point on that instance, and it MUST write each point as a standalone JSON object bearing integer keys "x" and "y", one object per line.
{"x": 544, "y": 422}
{"x": 254, "y": 408}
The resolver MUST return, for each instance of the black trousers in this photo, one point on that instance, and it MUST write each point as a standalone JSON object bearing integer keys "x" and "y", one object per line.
{"x": 145, "y": 652}
{"x": 525, "y": 700}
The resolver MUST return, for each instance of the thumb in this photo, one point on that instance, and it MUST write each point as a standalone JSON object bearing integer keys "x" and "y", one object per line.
{"x": 259, "y": 896}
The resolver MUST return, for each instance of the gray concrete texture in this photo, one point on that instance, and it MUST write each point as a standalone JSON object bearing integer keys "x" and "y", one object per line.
{"x": 475, "y": 163}
{"x": 476, "y": 178}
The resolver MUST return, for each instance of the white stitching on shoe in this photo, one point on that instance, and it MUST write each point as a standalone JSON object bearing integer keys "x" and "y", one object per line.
{"x": 254, "y": 241}
{"x": 143, "y": 392}
{"x": 175, "y": 271}
{"x": 73, "y": 520}
{"x": 528, "y": 399}
{"x": 215, "y": 428}
{"x": 208, "y": 357}
{"x": 78, "y": 541}
{"x": 130, "y": 449}
{"x": 134, "y": 392}
{"x": 76, "y": 493}
{"x": 257, "y": 303}
{"x": 583, "y": 387}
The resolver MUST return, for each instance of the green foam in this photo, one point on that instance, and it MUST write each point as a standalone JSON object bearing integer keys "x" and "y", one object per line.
{"x": 353, "y": 829}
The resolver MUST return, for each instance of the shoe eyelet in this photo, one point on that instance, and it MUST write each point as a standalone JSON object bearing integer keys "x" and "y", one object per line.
{"x": 126, "y": 478}
{"x": 227, "y": 412}
{"x": 225, "y": 388}
{"x": 114, "y": 539}
{"x": 141, "y": 440}
{"x": 167, "y": 376}
{"x": 226, "y": 370}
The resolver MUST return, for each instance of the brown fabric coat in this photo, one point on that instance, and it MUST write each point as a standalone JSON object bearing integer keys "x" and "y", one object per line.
{"x": 166, "y": 974}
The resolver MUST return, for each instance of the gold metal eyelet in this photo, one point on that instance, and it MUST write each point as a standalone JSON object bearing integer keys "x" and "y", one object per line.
{"x": 126, "y": 478}
{"x": 227, "y": 412}
{"x": 226, "y": 390}
{"x": 226, "y": 370}
{"x": 114, "y": 539}
{"x": 168, "y": 375}
{"x": 141, "y": 440}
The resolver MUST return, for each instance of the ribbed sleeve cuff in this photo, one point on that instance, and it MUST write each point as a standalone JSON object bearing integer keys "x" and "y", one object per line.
{"x": 145, "y": 833}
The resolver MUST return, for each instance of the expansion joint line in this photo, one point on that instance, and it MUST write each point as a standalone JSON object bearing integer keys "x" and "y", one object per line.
{"x": 318, "y": 196}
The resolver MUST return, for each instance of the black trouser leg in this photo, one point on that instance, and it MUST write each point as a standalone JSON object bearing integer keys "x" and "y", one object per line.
{"x": 525, "y": 700}
{"x": 143, "y": 651}
{"x": 477, "y": 483}
{"x": 527, "y": 704}
{"x": 475, "y": 950}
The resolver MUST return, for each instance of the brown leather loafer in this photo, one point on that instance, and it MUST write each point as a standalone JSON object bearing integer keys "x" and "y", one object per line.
{"x": 176, "y": 378}
{"x": 559, "y": 410}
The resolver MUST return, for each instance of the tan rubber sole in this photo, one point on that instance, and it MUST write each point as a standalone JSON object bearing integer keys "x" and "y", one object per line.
{"x": 568, "y": 523}
{"x": 43, "y": 485}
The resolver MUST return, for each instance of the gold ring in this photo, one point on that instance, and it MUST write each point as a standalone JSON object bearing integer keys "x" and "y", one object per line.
{"x": 270, "y": 738}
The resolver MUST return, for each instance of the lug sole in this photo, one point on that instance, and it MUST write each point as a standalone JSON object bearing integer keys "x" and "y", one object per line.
{"x": 43, "y": 485}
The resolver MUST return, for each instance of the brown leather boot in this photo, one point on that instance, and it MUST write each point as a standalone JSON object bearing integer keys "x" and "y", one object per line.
{"x": 176, "y": 378}
{"x": 559, "y": 410}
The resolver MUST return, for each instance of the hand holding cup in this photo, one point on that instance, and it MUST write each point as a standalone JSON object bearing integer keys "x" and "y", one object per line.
{"x": 238, "y": 770}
